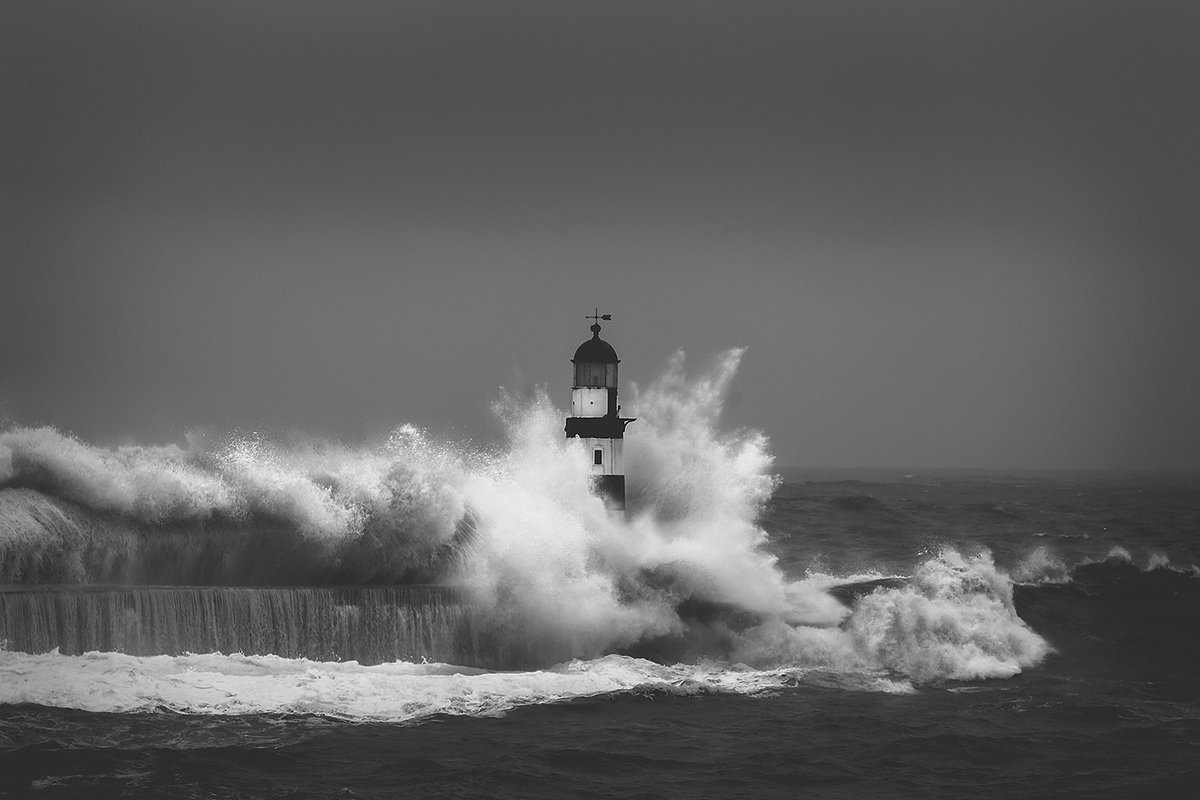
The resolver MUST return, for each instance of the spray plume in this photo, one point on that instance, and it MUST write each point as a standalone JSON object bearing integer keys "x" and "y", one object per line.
{"x": 688, "y": 576}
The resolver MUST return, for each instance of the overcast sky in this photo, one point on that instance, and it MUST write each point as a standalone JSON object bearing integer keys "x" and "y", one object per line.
{"x": 949, "y": 233}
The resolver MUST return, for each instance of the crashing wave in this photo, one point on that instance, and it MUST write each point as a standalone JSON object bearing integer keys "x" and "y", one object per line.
{"x": 552, "y": 576}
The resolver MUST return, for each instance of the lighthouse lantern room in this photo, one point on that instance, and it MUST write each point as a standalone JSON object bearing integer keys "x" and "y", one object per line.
{"x": 594, "y": 415}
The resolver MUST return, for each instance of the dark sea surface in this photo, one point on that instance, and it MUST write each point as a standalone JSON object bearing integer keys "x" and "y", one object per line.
{"x": 1102, "y": 567}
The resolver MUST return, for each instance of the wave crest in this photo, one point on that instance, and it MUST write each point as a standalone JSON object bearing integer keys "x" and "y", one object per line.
{"x": 552, "y": 575}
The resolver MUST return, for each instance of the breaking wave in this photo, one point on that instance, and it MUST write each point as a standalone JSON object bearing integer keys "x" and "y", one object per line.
{"x": 240, "y": 511}
{"x": 1042, "y": 566}
{"x": 552, "y": 577}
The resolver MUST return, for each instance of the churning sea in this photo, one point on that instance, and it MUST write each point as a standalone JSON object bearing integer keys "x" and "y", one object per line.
{"x": 1100, "y": 566}
{"x": 250, "y": 619}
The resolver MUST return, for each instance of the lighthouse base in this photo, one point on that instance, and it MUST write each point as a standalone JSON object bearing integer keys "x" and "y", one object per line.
{"x": 610, "y": 489}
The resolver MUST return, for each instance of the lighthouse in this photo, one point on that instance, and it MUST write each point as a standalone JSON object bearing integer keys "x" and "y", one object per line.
{"x": 594, "y": 417}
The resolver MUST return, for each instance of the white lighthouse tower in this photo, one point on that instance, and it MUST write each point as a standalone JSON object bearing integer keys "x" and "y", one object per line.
{"x": 594, "y": 415}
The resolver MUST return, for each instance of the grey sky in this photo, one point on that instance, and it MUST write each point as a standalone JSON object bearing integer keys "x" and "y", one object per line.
{"x": 950, "y": 234}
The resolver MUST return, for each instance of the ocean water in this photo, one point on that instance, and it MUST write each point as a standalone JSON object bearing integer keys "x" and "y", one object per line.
{"x": 269, "y": 617}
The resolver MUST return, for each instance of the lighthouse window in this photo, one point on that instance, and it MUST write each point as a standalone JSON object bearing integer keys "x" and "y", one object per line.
{"x": 589, "y": 374}
{"x": 598, "y": 457}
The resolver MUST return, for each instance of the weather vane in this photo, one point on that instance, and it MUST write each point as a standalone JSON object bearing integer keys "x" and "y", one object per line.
{"x": 597, "y": 316}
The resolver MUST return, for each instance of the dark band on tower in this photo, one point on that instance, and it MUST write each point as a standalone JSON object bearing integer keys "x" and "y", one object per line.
{"x": 594, "y": 415}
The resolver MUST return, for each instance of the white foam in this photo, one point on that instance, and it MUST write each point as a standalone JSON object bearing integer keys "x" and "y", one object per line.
{"x": 956, "y": 620}
{"x": 953, "y": 620}
{"x": 1158, "y": 561}
{"x": 397, "y": 692}
{"x": 1041, "y": 566}
{"x": 554, "y": 574}
{"x": 1120, "y": 554}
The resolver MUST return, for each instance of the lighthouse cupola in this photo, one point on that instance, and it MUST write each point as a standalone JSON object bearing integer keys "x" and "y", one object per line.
{"x": 594, "y": 416}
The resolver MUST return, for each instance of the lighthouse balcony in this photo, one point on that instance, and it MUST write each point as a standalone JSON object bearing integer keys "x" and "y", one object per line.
{"x": 609, "y": 427}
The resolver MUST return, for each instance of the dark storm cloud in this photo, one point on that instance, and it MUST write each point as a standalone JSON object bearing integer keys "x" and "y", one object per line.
{"x": 950, "y": 233}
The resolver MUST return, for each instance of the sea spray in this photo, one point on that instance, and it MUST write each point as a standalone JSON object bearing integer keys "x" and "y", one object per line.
{"x": 239, "y": 511}
{"x": 955, "y": 620}
{"x": 551, "y": 575}
{"x": 1041, "y": 565}
{"x": 560, "y": 571}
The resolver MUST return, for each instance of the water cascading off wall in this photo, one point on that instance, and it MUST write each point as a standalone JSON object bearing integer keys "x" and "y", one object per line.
{"x": 78, "y": 580}
{"x": 315, "y": 549}
{"x": 368, "y": 624}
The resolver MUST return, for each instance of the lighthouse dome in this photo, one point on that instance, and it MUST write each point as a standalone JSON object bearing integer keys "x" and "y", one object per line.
{"x": 595, "y": 350}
